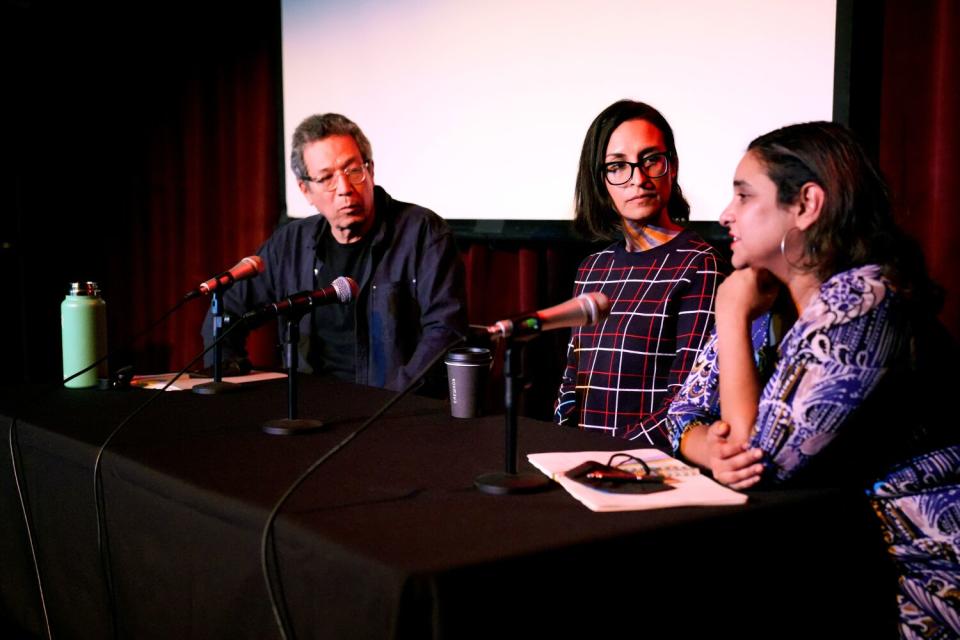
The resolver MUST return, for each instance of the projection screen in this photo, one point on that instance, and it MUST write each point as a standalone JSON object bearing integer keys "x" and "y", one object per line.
{"x": 478, "y": 110}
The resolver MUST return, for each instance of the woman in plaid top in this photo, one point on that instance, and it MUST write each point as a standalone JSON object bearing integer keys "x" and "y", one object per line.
{"x": 660, "y": 278}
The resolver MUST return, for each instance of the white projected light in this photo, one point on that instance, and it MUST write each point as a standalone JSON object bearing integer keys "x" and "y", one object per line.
{"x": 478, "y": 110}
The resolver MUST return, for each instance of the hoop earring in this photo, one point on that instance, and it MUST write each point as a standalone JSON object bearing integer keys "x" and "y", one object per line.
{"x": 783, "y": 248}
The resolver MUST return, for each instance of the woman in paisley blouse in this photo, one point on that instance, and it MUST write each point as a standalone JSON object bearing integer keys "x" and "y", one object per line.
{"x": 843, "y": 400}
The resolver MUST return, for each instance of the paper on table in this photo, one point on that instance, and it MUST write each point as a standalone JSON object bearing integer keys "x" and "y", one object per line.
{"x": 185, "y": 382}
{"x": 690, "y": 488}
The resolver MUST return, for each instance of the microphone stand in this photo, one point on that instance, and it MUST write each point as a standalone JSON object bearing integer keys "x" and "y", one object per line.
{"x": 510, "y": 481}
{"x": 291, "y": 425}
{"x": 103, "y": 545}
{"x": 268, "y": 550}
{"x": 218, "y": 386}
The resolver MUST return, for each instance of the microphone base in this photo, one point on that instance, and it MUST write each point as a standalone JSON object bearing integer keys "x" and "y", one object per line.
{"x": 216, "y": 388}
{"x": 501, "y": 483}
{"x": 288, "y": 427}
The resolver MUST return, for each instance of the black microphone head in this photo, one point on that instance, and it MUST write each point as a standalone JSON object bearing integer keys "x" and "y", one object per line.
{"x": 346, "y": 289}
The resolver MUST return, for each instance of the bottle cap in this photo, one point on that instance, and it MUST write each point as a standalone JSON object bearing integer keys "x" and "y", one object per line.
{"x": 84, "y": 289}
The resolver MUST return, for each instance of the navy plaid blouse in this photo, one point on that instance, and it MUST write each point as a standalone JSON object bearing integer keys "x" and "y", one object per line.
{"x": 622, "y": 373}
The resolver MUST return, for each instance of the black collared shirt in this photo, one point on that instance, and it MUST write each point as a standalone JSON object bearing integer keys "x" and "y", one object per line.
{"x": 411, "y": 304}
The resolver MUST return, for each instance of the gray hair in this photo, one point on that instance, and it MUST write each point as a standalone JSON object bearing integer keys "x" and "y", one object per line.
{"x": 318, "y": 127}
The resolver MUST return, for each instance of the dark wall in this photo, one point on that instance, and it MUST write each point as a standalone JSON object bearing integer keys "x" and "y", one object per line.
{"x": 65, "y": 179}
{"x": 121, "y": 163}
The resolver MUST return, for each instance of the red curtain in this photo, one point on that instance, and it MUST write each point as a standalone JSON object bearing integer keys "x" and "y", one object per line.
{"x": 508, "y": 278}
{"x": 920, "y": 135}
{"x": 212, "y": 185}
{"x": 213, "y": 189}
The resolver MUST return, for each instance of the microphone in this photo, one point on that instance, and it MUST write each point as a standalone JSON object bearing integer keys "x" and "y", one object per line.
{"x": 585, "y": 309}
{"x": 243, "y": 270}
{"x": 246, "y": 268}
{"x": 341, "y": 291}
{"x": 268, "y": 548}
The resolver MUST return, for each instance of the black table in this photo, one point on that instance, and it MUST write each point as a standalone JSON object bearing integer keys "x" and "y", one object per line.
{"x": 390, "y": 539}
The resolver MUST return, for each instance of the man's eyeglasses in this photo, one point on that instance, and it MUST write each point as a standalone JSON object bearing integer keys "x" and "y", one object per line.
{"x": 620, "y": 172}
{"x": 355, "y": 175}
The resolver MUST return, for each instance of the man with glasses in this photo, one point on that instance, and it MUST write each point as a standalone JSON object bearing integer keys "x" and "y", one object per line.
{"x": 410, "y": 305}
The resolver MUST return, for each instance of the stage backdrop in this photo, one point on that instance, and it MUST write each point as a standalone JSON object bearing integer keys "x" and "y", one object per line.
{"x": 153, "y": 181}
{"x": 479, "y": 109}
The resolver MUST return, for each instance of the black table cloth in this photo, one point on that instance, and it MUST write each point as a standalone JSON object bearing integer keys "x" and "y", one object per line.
{"x": 389, "y": 538}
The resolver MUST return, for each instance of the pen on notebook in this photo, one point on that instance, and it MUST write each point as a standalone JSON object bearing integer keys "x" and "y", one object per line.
{"x": 624, "y": 476}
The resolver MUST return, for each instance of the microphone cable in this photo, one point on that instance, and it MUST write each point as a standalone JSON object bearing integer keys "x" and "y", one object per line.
{"x": 103, "y": 546}
{"x": 267, "y": 544}
{"x": 131, "y": 341}
{"x": 15, "y": 450}
{"x": 247, "y": 268}
{"x": 21, "y": 488}
{"x": 17, "y": 462}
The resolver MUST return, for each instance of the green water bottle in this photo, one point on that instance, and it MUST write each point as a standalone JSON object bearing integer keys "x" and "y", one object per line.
{"x": 83, "y": 327}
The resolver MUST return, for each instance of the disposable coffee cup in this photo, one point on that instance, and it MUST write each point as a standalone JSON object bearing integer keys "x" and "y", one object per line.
{"x": 467, "y": 371}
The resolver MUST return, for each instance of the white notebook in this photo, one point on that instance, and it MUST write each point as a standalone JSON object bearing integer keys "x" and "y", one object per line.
{"x": 687, "y": 486}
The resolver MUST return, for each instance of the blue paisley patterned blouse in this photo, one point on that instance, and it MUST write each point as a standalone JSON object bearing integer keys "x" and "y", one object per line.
{"x": 833, "y": 357}
{"x": 843, "y": 379}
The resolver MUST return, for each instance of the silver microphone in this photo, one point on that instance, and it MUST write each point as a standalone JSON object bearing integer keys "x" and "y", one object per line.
{"x": 247, "y": 268}
{"x": 584, "y": 310}
{"x": 341, "y": 291}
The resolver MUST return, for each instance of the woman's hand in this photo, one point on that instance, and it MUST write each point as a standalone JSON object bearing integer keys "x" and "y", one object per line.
{"x": 733, "y": 463}
{"x": 743, "y": 296}
{"x": 747, "y": 293}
